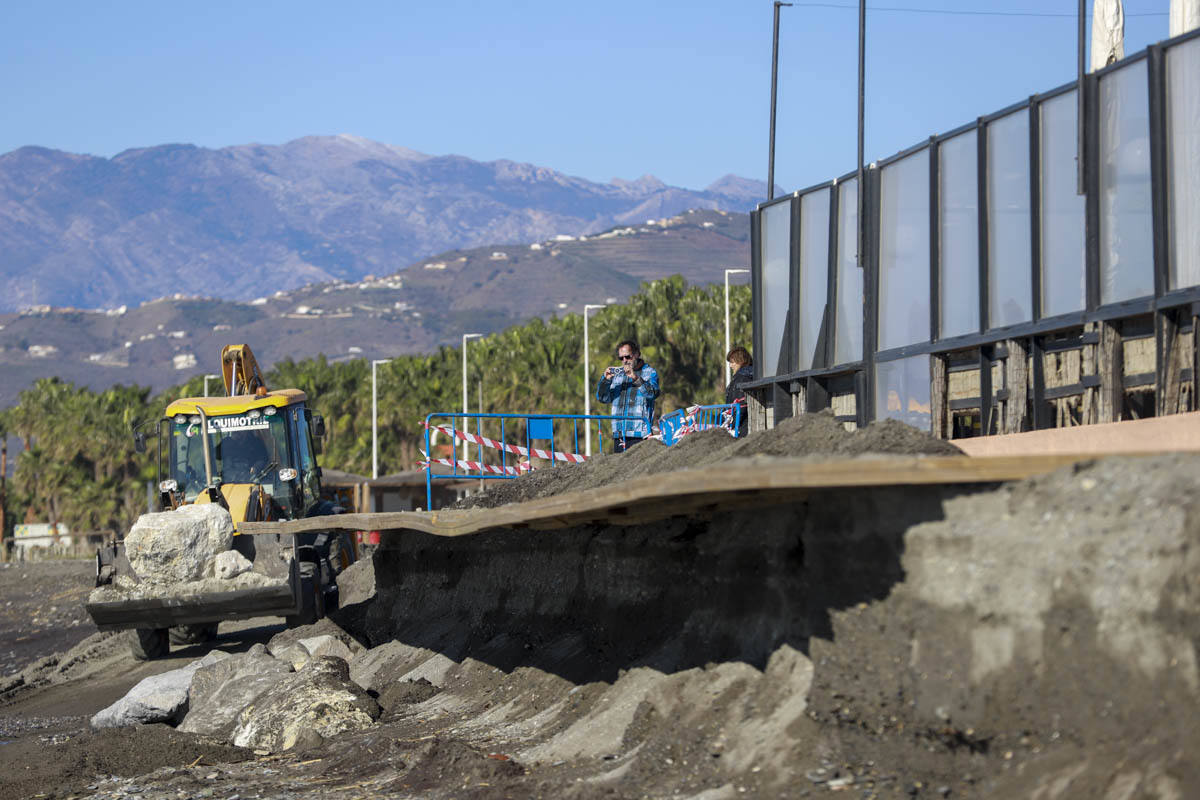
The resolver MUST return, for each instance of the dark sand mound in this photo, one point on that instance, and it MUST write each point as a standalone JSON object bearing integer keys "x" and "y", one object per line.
{"x": 811, "y": 436}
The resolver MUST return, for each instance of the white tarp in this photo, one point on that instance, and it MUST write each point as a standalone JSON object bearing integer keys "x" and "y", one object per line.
{"x": 1185, "y": 16}
{"x": 1108, "y": 33}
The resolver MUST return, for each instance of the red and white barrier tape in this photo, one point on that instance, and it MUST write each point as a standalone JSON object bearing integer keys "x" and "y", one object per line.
{"x": 520, "y": 469}
{"x": 557, "y": 455}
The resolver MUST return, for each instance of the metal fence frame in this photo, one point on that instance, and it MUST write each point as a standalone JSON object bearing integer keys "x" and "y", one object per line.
{"x": 505, "y": 419}
{"x": 775, "y": 384}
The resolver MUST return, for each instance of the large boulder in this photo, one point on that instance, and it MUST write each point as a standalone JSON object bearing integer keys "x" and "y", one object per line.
{"x": 390, "y": 663}
{"x": 180, "y": 545}
{"x": 230, "y": 564}
{"x": 297, "y": 645}
{"x": 306, "y": 707}
{"x": 220, "y": 691}
{"x": 301, "y": 651}
{"x": 159, "y": 698}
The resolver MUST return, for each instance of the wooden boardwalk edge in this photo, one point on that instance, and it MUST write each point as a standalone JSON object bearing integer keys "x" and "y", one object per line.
{"x": 717, "y": 487}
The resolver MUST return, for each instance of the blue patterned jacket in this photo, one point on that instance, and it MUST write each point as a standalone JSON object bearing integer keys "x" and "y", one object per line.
{"x": 629, "y": 400}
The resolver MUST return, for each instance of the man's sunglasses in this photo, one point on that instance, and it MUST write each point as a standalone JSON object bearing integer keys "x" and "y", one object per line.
{"x": 626, "y": 358}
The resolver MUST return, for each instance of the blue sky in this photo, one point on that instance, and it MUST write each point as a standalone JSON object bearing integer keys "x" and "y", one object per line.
{"x": 600, "y": 90}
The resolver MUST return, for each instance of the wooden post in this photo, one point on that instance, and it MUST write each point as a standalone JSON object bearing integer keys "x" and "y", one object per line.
{"x": 1111, "y": 364}
{"x": 1087, "y": 411}
{"x": 755, "y": 411}
{"x": 939, "y": 396}
{"x": 1016, "y": 379}
{"x": 800, "y": 399}
{"x": 1195, "y": 360}
{"x": 1170, "y": 373}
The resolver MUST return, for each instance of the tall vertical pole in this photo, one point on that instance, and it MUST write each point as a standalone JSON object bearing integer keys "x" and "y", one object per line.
{"x": 3, "y": 491}
{"x": 862, "y": 93}
{"x": 1081, "y": 47}
{"x": 374, "y": 421}
{"x": 466, "y": 445}
{"x": 587, "y": 381}
{"x": 465, "y": 449}
{"x": 375, "y": 417}
{"x": 774, "y": 84}
{"x": 728, "y": 373}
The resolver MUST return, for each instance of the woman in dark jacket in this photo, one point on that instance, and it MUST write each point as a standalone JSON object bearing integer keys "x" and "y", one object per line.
{"x": 742, "y": 365}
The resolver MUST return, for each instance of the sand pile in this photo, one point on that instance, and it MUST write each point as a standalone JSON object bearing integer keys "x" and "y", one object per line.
{"x": 810, "y": 436}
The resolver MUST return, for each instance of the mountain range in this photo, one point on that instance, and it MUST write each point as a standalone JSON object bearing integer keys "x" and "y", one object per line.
{"x": 247, "y": 221}
{"x": 433, "y": 301}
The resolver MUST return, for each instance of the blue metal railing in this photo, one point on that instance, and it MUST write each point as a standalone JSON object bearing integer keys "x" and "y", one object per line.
{"x": 677, "y": 423}
{"x": 540, "y": 427}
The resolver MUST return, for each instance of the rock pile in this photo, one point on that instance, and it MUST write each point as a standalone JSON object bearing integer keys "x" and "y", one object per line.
{"x": 295, "y": 691}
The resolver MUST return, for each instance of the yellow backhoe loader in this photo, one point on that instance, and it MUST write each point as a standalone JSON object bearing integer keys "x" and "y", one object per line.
{"x": 254, "y": 452}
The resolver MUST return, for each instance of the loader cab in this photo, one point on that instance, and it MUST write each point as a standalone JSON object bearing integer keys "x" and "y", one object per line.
{"x": 259, "y": 447}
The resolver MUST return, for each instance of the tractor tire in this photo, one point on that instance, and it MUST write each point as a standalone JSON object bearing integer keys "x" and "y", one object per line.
{"x": 193, "y": 634}
{"x": 312, "y": 605}
{"x": 147, "y": 644}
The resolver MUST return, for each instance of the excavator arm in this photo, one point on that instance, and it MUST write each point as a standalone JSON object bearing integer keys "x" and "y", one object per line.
{"x": 240, "y": 370}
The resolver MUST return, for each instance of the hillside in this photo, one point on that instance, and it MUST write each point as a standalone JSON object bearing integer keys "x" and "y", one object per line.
{"x": 249, "y": 220}
{"x": 166, "y": 341}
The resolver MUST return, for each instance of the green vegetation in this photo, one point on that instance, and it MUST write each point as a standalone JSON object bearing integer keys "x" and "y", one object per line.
{"x": 80, "y": 469}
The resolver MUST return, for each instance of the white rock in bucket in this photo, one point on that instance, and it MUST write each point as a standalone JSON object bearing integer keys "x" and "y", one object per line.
{"x": 179, "y": 545}
{"x": 231, "y": 563}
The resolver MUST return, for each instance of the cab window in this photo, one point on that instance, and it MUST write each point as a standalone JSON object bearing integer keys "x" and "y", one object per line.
{"x": 309, "y": 480}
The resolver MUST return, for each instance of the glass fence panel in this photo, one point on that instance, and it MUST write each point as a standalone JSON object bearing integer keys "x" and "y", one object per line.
{"x": 776, "y": 268}
{"x": 848, "y": 343}
{"x": 958, "y": 226}
{"x": 814, "y": 272}
{"x": 1010, "y": 279}
{"x": 904, "y": 252}
{"x": 1126, "y": 235}
{"x": 1183, "y": 161}
{"x": 902, "y": 391}
{"x": 1064, "y": 253}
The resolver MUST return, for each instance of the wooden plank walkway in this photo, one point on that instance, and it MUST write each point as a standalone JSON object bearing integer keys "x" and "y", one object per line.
{"x": 712, "y": 488}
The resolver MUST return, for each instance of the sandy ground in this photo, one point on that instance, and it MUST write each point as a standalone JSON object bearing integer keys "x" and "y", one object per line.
{"x": 41, "y": 610}
{"x": 1036, "y": 639}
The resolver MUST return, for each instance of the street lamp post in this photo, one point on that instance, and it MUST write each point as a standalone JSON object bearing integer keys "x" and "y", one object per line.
{"x": 587, "y": 394}
{"x": 466, "y": 444}
{"x": 728, "y": 272}
{"x": 375, "y": 416}
{"x": 207, "y": 378}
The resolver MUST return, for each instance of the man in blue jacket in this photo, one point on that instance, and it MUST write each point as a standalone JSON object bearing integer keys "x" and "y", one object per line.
{"x": 631, "y": 388}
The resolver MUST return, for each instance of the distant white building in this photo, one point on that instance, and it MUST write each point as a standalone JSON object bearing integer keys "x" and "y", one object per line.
{"x": 436, "y": 265}
{"x": 40, "y": 534}
{"x": 499, "y": 256}
{"x": 535, "y": 246}
{"x": 41, "y": 350}
{"x": 184, "y": 361}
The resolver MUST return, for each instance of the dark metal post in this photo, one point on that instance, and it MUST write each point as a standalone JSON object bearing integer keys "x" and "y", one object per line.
{"x": 1080, "y": 181}
{"x": 774, "y": 83}
{"x": 862, "y": 93}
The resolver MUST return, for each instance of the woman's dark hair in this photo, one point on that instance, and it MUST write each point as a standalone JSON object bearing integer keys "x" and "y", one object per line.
{"x": 740, "y": 356}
